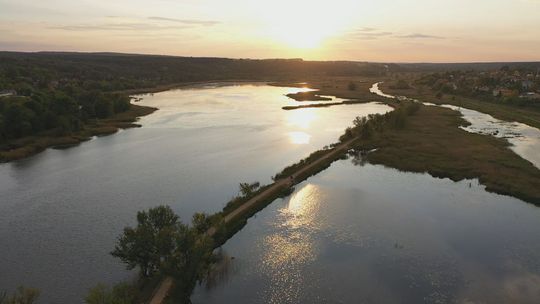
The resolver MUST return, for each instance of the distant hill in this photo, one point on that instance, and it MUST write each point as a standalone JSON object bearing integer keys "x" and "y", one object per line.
{"x": 476, "y": 66}
{"x": 130, "y": 71}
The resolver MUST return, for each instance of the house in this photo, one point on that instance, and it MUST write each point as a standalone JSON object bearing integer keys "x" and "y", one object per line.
{"x": 530, "y": 95}
{"x": 504, "y": 92}
{"x": 484, "y": 89}
{"x": 526, "y": 84}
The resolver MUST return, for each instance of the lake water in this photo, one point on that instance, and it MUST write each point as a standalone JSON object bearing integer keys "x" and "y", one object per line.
{"x": 62, "y": 210}
{"x": 370, "y": 234}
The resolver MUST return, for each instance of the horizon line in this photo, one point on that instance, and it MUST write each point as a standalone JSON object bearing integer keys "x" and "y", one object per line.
{"x": 262, "y": 59}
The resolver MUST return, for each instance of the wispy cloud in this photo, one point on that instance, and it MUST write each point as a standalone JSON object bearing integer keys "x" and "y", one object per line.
{"x": 366, "y": 29}
{"x": 419, "y": 36}
{"x": 185, "y": 21}
{"x": 371, "y": 33}
{"x": 121, "y": 26}
{"x": 367, "y": 33}
{"x": 119, "y": 23}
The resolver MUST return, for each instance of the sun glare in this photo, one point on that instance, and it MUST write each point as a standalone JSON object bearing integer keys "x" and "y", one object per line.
{"x": 301, "y": 118}
{"x": 303, "y": 24}
{"x": 299, "y": 138}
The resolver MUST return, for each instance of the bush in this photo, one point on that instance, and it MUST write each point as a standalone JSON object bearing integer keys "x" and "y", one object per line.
{"x": 122, "y": 293}
{"x": 23, "y": 295}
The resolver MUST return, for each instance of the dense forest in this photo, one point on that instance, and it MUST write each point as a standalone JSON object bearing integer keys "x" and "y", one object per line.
{"x": 59, "y": 93}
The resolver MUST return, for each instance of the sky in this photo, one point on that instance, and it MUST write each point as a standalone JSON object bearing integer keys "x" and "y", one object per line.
{"x": 382, "y": 31}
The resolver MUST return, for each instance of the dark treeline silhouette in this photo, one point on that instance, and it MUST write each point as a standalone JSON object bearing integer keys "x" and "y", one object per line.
{"x": 113, "y": 72}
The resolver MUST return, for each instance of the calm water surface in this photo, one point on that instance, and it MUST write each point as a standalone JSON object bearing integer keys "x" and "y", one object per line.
{"x": 61, "y": 211}
{"x": 369, "y": 234}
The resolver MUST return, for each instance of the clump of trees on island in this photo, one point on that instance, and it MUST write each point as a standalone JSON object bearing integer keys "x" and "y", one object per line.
{"x": 366, "y": 127}
{"x": 58, "y": 111}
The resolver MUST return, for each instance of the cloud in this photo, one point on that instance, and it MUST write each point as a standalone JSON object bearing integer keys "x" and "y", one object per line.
{"x": 419, "y": 36}
{"x": 122, "y": 26}
{"x": 119, "y": 23}
{"x": 371, "y": 33}
{"x": 367, "y": 33}
{"x": 185, "y": 21}
{"x": 366, "y": 29}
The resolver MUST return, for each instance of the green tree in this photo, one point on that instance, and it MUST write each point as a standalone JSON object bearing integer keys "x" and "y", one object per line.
{"x": 103, "y": 107}
{"x": 367, "y": 131}
{"x": 201, "y": 222}
{"x": 191, "y": 259}
{"x": 150, "y": 243}
{"x": 17, "y": 120}
{"x": 247, "y": 189}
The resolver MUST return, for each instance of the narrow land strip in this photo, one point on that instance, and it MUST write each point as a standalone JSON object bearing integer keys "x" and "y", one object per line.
{"x": 271, "y": 192}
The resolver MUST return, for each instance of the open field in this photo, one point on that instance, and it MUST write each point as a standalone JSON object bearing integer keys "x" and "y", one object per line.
{"x": 432, "y": 142}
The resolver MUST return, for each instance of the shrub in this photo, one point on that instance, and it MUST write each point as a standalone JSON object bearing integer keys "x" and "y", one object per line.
{"x": 23, "y": 295}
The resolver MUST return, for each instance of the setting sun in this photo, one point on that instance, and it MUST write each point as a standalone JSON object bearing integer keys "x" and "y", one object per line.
{"x": 303, "y": 24}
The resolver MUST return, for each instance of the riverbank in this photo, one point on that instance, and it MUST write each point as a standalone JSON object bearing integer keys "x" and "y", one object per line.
{"x": 340, "y": 87}
{"x": 31, "y": 145}
{"x": 500, "y": 111}
{"x": 179, "y": 85}
{"x": 432, "y": 142}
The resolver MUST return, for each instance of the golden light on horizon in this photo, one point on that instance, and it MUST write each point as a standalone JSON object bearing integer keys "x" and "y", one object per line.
{"x": 303, "y": 24}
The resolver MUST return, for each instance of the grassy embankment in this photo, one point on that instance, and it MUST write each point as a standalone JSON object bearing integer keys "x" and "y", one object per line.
{"x": 311, "y": 165}
{"x": 28, "y": 146}
{"x": 332, "y": 86}
{"x": 432, "y": 142}
{"x": 528, "y": 116}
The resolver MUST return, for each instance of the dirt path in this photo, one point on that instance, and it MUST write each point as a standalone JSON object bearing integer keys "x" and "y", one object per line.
{"x": 161, "y": 292}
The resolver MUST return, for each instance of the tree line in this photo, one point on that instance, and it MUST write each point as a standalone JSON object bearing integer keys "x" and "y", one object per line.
{"x": 58, "y": 111}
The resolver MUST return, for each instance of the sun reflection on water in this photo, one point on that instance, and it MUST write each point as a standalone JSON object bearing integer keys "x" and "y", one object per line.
{"x": 299, "y": 138}
{"x": 292, "y": 246}
{"x": 301, "y": 118}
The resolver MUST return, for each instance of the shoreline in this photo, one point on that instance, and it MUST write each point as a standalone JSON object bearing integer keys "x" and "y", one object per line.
{"x": 180, "y": 85}
{"x": 32, "y": 145}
